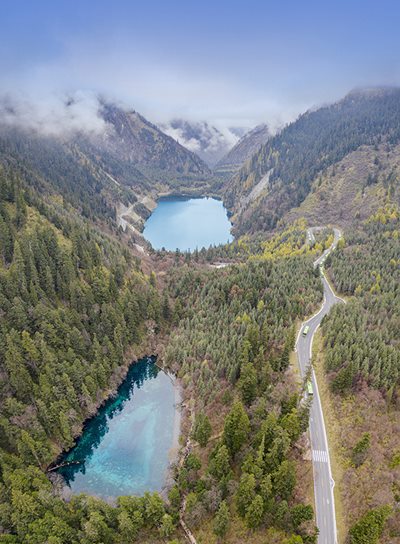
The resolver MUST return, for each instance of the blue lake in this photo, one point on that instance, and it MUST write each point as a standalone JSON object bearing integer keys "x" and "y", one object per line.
{"x": 187, "y": 223}
{"x": 125, "y": 448}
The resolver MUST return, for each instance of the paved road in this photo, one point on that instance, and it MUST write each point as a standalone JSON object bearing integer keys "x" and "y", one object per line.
{"x": 323, "y": 481}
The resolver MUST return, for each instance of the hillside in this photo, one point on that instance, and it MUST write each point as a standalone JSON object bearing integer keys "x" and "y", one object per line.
{"x": 131, "y": 162}
{"x": 286, "y": 169}
{"x": 242, "y": 151}
{"x": 353, "y": 188}
{"x": 135, "y": 140}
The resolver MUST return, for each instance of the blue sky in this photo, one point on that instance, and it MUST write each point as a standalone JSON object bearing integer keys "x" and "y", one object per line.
{"x": 228, "y": 62}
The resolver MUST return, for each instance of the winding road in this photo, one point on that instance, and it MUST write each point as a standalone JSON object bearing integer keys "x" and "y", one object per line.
{"x": 323, "y": 481}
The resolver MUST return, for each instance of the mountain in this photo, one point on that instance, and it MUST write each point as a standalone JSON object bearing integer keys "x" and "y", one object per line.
{"x": 128, "y": 162}
{"x": 207, "y": 141}
{"x": 248, "y": 144}
{"x": 157, "y": 155}
{"x": 300, "y": 160}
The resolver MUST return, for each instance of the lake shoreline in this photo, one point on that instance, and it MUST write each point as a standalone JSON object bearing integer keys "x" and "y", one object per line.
{"x": 152, "y": 343}
{"x": 187, "y": 223}
{"x": 171, "y": 450}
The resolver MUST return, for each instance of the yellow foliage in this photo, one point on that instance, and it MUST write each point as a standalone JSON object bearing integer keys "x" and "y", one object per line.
{"x": 358, "y": 290}
{"x": 245, "y": 318}
{"x": 260, "y": 305}
{"x": 375, "y": 289}
{"x": 291, "y": 241}
{"x": 386, "y": 214}
{"x": 35, "y": 219}
{"x": 329, "y": 241}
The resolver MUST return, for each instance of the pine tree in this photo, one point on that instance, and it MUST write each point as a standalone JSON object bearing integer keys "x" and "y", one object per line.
{"x": 222, "y": 520}
{"x": 202, "y": 429}
{"x": 255, "y": 512}
{"x": 236, "y": 428}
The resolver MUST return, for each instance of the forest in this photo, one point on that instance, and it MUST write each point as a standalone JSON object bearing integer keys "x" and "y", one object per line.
{"x": 361, "y": 359}
{"x": 231, "y": 350}
{"x": 363, "y": 338}
{"x": 74, "y": 301}
{"x": 303, "y": 149}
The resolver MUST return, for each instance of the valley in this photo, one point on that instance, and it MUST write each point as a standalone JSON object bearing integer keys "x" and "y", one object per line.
{"x": 117, "y": 246}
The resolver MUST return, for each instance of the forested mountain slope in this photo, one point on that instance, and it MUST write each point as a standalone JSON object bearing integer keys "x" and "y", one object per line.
{"x": 284, "y": 171}
{"x": 353, "y": 188}
{"x": 129, "y": 160}
{"x": 161, "y": 158}
{"x": 243, "y": 150}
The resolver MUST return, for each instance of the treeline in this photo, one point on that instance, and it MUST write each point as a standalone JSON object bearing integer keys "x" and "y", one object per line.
{"x": 236, "y": 251}
{"x": 71, "y": 300}
{"x": 231, "y": 349}
{"x": 362, "y": 339}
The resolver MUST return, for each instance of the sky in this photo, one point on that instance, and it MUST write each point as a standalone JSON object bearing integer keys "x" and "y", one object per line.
{"x": 231, "y": 63}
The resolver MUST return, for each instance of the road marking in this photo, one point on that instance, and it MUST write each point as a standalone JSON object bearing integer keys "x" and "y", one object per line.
{"x": 320, "y": 456}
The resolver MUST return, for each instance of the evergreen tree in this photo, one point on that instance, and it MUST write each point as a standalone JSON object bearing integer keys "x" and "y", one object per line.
{"x": 222, "y": 520}
{"x": 236, "y": 427}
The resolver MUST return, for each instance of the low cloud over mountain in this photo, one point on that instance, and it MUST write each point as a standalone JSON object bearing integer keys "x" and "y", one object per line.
{"x": 207, "y": 141}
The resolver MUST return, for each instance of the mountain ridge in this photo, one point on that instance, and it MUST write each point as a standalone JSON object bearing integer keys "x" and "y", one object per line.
{"x": 280, "y": 175}
{"x": 206, "y": 140}
{"x": 130, "y": 160}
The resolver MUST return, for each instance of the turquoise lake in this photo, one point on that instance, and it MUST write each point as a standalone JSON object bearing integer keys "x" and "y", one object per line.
{"x": 125, "y": 448}
{"x": 187, "y": 224}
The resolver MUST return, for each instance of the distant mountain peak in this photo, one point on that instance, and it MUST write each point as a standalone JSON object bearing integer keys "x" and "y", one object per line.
{"x": 207, "y": 141}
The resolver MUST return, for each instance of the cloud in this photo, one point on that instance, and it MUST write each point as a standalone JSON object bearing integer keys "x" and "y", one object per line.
{"x": 161, "y": 91}
{"x": 53, "y": 113}
{"x": 200, "y": 135}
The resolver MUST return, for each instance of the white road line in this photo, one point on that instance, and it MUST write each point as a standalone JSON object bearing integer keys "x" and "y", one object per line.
{"x": 321, "y": 456}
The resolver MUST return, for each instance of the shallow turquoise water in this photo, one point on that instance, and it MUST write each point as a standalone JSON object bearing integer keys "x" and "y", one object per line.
{"x": 125, "y": 447}
{"x": 187, "y": 223}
